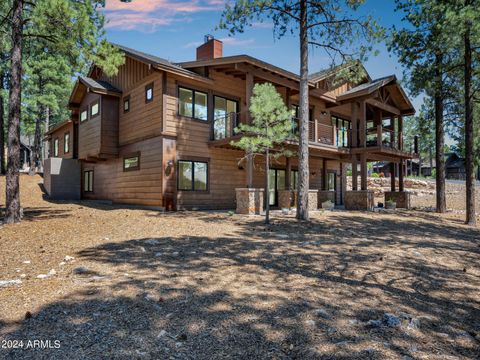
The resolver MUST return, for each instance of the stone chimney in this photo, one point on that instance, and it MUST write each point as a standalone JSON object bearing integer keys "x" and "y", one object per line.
{"x": 210, "y": 49}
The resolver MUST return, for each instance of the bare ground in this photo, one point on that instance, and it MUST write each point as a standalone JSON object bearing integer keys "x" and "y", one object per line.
{"x": 206, "y": 285}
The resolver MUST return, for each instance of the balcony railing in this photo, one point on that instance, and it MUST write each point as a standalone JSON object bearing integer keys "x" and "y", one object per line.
{"x": 224, "y": 126}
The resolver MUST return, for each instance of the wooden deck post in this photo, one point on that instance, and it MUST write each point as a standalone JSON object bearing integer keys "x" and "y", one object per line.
{"x": 400, "y": 133}
{"x": 392, "y": 130}
{"x": 363, "y": 171}
{"x": 354, "y": 124}
{"x": 363, "y": 124}
{"x": 379, "y": 135}
{"x": 248, "y": 95}
{"x": 400, "y": 175}
{"x": 354, "y": 172}
{"x": 249, "y": 171}
{"x": 392, "y": 176}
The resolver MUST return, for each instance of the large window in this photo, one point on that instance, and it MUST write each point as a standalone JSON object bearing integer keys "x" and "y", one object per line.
{"x": 131, "y": 162}
{"x": 224, "y": 117}
{"x": 192, "y": 104}
{"x": 88, "y": 181}
{"x": 343, "y": 129}
{"x": 55, "y": 147}
{"x": 66, "y": 142}
{"x": 192, "y": 175}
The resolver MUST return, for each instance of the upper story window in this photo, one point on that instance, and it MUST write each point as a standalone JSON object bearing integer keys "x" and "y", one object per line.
{"x": 149, "y": 93}
{"x": 84, "y": 115}
{"x": 192, "y": 175}
{"x": 66, "y": 143}
{"x": 94, "y": 109}
{"x": 55, "y": 147}
{"x": 224, "y": 117}
{"x": 126, "y": 104}
{"x": 131, "y": 162}
{"x": 192, "y": 104}
{"x": 343, "y": 130}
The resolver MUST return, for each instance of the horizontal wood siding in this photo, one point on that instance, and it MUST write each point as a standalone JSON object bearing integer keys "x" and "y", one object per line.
{"x": 89, "y": 132}
{"x": 144, "y": 120}
{"x": 109, "y": 114}
{"x": 60, "y": 135}
{"x": 142, "y": 186}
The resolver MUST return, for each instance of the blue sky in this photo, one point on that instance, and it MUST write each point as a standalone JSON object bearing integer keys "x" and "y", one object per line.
{"x": 173, "y": 29}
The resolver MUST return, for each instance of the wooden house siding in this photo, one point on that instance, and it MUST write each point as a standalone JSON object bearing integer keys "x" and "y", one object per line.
{"x": 143, "y": 120}
{"x": 89, "y": 132}
{"x": 60, "y": 135}
{"x": 129, "y": 74}
{"x": 142, "y": 186}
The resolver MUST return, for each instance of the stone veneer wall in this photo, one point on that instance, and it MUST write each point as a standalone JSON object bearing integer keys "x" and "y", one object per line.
{"x": 359, "y": 200}
{"x": 312, "y": 200}
{"x": 402, "y": 198}
{"x": 249, "y": 201}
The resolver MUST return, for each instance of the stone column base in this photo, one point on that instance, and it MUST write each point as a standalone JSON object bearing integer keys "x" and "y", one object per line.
{"x": 402, "y": 198}
{"x": 249, "y": 201}
{"x": 286, "y": 199}
{"x": 326, "y": 195}
{"x": 312, "y": 199}
{"x": 359, "y": 200}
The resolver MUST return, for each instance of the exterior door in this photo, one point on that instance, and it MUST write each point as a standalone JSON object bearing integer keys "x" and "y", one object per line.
{"x": 332, "y": 183}
{"x": 276, "y": 180}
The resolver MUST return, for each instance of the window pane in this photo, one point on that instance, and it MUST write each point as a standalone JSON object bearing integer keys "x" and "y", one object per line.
{"x": 83, "y": 115}
{"x": 66, "y": 143}
{"x": 280, "y": 179}
{"x": 95, "y": 109}
{"x": 132, "y": 162}
{"x": 231, "y": 106}
{"x": 185, "y": 102}
{"x": 185, "y": 175}
{"x": 200, "y": 176}
{"x": 201, "y": 106}
{"x": 126, "y": 105}
{"x": 220, "y": 107}
{"x": 90, "y": 181}
{"x": 149, "y": 94}
{"x": 55, "y": 147}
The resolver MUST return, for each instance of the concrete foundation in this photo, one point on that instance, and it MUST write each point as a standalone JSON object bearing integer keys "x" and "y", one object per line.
{"x": 312, "y": 200}
{"x": 402, "y": 198}
{"x": 249, "y": 201}
{"x": 360, "y": 200}
{"x": 62, "y": 178}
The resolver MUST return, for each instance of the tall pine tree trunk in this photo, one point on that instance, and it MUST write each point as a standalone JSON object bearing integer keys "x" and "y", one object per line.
{"x": 2, "y": 126}
{"x": 303, "y": 169}
{"x": 35, "y": 154}
{"x": 13, "y": 210}
{"x": 439, "y": 137}
{"x": 471, "y": 218}
{"x": 267, "y": 187}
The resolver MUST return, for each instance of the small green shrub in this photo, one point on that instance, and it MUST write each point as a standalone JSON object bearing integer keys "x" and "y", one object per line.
{"x": 375, "y": 175}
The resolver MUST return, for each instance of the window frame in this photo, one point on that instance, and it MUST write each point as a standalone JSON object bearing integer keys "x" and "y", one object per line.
{"x": 227, "y": 99}
{"x": 56, "y": 145}
{"x": 92, "y": 104}
{"x": 66, "y": 144}
{"x": 130, "y": 156}
{"x": 84, "y": 111}
{"x": 90, "y": 183}
{"x": 126, "y": 99}
{"x": 203, "y": 121}
{"x": 149, "y": 86}
{"x": 192, "y": 161}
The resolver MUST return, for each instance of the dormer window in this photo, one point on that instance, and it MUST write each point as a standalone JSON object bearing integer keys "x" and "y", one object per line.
{"x": 84, "y": 115}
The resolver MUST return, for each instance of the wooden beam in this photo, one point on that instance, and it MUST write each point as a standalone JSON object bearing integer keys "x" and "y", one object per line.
{"x": 382, "y": 106}
{"x": 324, "y": 174}
{"x": 400, "y": 133}
{"x": 354, "y": 172}
{"x": 267, "y": 76}
{"x": 354, "y": 118}
{"x": 401, "y": 170}
{"x": 363, "y": 171}
{"x": 363, "y": 124}
{"x": 392, "y": 176}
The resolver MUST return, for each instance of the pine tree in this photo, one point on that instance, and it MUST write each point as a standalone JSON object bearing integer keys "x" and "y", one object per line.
{"x": 330, "y": 25}
{"x": 271, "y": 126}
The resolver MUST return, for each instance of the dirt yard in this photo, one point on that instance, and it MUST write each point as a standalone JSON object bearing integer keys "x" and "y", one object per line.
{"x": 117, "y": 283}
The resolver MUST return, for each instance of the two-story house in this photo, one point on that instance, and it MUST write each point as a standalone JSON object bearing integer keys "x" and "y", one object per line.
{"x": 159, "y": 133}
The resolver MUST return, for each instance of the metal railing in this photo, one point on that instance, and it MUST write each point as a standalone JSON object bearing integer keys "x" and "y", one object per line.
{"x": 224, "y": 126}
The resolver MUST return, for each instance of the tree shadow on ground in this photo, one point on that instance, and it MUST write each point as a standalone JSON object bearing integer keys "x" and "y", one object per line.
{"x": 283, "y": 291}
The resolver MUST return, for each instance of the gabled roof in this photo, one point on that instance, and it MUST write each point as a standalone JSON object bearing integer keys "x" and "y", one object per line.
{"x": 367, "y": 88}
{"x": 328, "y": 72}
{"x": 58, "y": 126}
{"x": 159, "y": 63}
{"x": 98, "y": 85}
